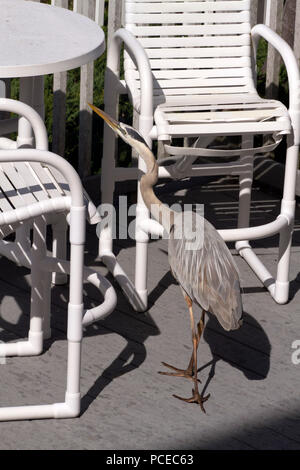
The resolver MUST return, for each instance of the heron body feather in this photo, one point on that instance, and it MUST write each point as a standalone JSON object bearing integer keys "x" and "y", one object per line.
{"x": 205, "y": 269}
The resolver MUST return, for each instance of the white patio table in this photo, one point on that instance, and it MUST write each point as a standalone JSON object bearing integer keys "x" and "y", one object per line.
{"x": 35, "y": 40}
{"x": 38, "y": 39}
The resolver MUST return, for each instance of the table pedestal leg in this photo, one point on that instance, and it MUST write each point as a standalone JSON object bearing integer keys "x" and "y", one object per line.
{"x": 25, "y": 140}
{"x": 25, "y": 135}
{"x": 38, "y": 96}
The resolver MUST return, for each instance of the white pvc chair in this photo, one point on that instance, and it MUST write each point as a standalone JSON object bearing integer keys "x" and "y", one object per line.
{"x": 35, "y": 187}
{"x": 190, "y": 72}
{"x": 47, "y": 181}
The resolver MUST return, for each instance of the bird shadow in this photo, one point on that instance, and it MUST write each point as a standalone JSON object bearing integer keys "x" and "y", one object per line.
{"x": 247, "y": 349}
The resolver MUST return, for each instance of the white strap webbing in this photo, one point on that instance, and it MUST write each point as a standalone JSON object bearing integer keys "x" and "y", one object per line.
{"x": 207, "y": 152}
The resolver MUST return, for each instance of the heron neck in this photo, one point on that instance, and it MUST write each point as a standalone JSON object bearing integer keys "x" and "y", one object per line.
{"x": 159, "y": 211}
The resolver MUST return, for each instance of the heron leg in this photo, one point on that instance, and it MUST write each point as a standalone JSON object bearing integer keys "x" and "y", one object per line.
{"x": 187, "y": 373}
{"x": 196, "y": 398}
{"x": 200, "y": 328}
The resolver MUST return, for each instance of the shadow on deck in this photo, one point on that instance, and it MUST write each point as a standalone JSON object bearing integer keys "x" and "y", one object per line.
{"x": 126, "y": 405}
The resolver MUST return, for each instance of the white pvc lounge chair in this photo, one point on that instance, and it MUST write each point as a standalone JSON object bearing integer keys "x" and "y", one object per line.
{"x": 37, "y": 186}
{"x": 190, "y": 72}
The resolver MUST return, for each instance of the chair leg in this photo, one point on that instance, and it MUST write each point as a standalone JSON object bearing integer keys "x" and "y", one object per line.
{"x": 37, "y": 301}
{"x": 107, "y": 189}
{"x": 142, "y": 214}
{"x": 108, "y": 164}
{"x": 47, "y": 305}
{"x": 33, "y": 346}
{"x": 281, "y": 294}
{"x": 23, "y": 238}
{"x": 59, "y": 247}
{"x": 25, "y": 139}
{"x": 70, "y": 408}
{"x": 141, "y": 255}
{"x": 25, "y": 135}
{"x": 246, "y": 180}
{"x": 288, "y": 205}
{"x": 136, "y": 294}
{"x": 75, "y": 315}
{"x": 279, "y": 287}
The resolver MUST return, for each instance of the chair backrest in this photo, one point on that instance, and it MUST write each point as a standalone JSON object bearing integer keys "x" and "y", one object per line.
{"x": 194, "y": 47}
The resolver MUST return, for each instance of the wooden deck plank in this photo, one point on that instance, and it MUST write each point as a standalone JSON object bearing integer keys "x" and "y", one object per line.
{"x": 126, "y": 405}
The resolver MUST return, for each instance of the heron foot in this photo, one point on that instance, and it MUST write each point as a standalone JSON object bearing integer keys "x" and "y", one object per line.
{"x": 186, "y": 373}
{"x": 196, "y": 398}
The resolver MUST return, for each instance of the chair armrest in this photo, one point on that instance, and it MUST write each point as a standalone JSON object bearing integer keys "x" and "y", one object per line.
{"x": 140, "y": 58}
{"x": 40, "y": 154}
{"x": 49, "y": 159}
{"x": 292, "y": 68}
{"x": 35, "y": 120}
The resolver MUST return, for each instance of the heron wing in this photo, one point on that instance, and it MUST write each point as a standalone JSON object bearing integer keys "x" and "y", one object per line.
{"x": 205, "y": 269}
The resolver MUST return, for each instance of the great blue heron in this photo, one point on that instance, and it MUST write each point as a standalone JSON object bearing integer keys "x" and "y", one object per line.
{"x": 202, "y": 265}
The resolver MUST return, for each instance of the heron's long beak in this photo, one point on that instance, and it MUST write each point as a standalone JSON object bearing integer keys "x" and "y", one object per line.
{"x": 109, "y": 120}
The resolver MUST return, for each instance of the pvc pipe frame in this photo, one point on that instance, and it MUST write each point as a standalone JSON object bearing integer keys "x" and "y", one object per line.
{"x": 137, "y": 294}
{"x": 41, "y": 266}
{"x": 34, "y": 345}
{"x": 31, "y": 123}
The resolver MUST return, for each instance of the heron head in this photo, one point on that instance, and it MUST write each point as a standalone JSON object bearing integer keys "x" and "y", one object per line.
{"x": 130, "y": 135}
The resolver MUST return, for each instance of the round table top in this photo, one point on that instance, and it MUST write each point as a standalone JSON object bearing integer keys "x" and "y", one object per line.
{"x": 39, "y": 39}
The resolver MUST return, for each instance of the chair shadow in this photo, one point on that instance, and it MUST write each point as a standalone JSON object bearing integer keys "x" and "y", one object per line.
{"x": 17, "y": 328}
{"x": 135, "y": 350}
{"x": 131, "y": 327}
{"x": 134, "y": 328}
{"x": 294, "y": 287}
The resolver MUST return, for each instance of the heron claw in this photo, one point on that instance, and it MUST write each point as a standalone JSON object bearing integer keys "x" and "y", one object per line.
{"x": 196, "y": 398}
{"x": 186, "y": 373}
